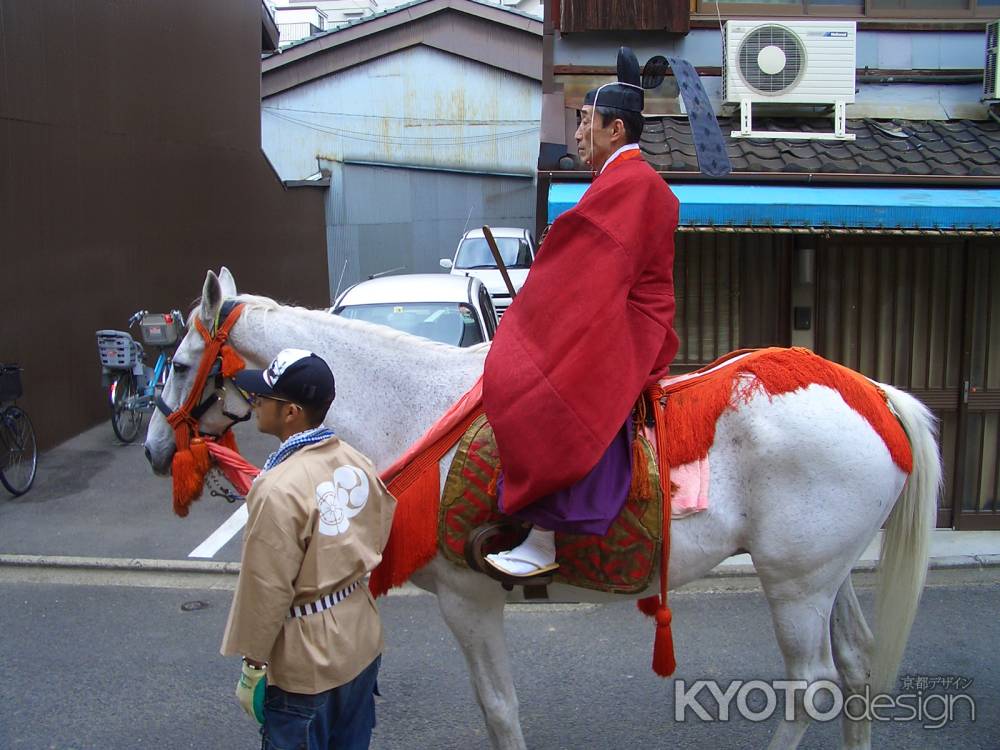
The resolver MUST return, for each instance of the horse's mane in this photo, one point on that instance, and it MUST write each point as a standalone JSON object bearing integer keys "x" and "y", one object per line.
{"x": 389, "y": 335}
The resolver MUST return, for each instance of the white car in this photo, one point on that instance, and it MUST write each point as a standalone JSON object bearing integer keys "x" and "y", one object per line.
{"x": 473, "y": 258}
{"x": 450, "y": 309}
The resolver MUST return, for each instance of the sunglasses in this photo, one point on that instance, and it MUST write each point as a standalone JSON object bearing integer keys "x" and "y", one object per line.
{"x": 255, "y": 399}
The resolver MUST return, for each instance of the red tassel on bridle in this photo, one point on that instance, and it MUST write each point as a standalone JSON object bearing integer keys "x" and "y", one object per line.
{"x": 187, "y": 483}
{"x": 190, "y": 467}
{"x": 232, "y": 362}
{"x": 192, "y": 459}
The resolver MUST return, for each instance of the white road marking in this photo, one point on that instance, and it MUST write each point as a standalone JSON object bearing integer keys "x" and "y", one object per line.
{"x": 218, "y": 538}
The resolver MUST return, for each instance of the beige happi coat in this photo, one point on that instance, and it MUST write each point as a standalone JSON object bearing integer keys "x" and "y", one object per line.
{"x": 317, "y": 523}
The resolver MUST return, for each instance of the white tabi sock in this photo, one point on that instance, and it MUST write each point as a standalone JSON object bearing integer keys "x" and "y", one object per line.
{"x": 535, "y": 552}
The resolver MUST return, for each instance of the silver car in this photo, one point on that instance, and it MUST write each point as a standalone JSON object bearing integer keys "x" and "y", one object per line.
{"x": 454, "y": 310}
{"x": 473, "y": 258}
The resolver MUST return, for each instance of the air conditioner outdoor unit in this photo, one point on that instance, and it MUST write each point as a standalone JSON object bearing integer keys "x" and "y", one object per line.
{"x": 991, "y": 69}
{"x": 789, "y": 62}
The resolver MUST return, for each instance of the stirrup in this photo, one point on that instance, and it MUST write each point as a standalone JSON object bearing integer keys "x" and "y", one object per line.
{"x": 477, "y": 561}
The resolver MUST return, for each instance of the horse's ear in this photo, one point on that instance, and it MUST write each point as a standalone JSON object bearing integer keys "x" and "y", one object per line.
{"x": 211, "y": 299}
{"x": 227, "y": 282}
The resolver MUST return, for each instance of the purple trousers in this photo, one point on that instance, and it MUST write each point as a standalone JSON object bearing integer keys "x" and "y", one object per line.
{"x": 592, "y": 504}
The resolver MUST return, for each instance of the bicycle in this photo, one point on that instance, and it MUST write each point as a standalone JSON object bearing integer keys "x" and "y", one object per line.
{"x": 132, "y": 385}
{"x": 18, "y": 448}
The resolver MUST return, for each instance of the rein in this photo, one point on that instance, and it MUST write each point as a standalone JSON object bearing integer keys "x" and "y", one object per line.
{"x": 192, "y": 459}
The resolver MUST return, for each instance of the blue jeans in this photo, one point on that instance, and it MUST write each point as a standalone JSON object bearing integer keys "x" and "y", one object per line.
{"x": 337, "y": 719}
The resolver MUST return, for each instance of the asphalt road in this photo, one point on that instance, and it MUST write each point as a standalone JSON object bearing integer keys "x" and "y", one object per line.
{"x": 87, "y": 666}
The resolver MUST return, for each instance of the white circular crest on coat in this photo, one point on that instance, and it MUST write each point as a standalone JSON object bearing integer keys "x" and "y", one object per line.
{"x": 341, "y": 499}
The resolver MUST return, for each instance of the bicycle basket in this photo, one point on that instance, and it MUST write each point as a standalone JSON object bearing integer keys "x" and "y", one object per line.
{"x": 10, "y": 382}
{"x": 118, "y": 350}
{"x": 161, "y": 330}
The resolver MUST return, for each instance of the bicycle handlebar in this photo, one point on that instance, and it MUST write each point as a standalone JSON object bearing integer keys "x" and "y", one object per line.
{"x": 139, "y": 314}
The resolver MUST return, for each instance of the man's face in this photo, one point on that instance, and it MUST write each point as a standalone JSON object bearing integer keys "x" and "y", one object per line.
{"x": 268, "y": 412}
{"x": 593, "y": 138}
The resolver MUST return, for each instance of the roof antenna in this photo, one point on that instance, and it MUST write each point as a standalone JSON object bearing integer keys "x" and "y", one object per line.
{"x": 337, "y": 293}
{"x": 380, "y": 274}
{"x": 467, "y": 221}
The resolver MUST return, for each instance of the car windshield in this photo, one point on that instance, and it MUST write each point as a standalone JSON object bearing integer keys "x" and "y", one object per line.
{"x": 448, "y": 322}
{"x": 475, "y": 253}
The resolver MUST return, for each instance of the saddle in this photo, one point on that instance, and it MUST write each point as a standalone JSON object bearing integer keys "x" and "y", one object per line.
{"x": 470, "y": 525}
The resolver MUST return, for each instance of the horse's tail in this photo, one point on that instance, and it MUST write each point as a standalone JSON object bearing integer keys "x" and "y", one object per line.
{"x": 906, "y": 541}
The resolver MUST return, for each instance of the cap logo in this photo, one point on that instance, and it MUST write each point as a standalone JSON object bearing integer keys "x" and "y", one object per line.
{"x": 272, "y": 373}
{"x": 285, "y": 358}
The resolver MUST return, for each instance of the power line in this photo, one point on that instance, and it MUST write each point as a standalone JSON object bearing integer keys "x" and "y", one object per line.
{"x": 407, "y": 140}
{"x": 390, "y": 117}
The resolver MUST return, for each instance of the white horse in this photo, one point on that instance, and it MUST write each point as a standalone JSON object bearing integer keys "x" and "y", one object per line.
{"x": 800, "y": 481}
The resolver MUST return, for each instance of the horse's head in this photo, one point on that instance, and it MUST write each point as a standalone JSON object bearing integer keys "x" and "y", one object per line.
{"x": 220, "y": 403}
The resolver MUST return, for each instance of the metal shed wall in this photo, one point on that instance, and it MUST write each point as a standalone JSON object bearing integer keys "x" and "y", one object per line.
{"x": 416, "y": 107}
{"x": 383, "y": 217}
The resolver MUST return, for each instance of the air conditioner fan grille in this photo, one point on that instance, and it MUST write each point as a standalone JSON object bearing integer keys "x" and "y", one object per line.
{"x": 749, "y": 54}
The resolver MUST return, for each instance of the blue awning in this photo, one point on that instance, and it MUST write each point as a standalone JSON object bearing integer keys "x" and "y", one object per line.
{"x": 812, "y": 207}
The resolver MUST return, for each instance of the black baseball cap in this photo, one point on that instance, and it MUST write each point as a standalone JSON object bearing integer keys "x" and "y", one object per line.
{"x": 295, "y": 375}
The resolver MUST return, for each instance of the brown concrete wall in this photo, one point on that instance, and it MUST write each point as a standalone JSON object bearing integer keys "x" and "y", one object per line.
{"x": 130, "y": 163}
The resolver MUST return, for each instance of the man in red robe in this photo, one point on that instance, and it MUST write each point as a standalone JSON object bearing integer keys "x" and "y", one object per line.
{"x": 590, "y": 330}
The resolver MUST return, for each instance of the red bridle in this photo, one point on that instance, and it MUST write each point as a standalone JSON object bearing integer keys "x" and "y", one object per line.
{"x": 192, "y": 460}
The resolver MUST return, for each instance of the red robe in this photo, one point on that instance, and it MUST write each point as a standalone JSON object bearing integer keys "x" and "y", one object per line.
{"x": 590, "y": 329}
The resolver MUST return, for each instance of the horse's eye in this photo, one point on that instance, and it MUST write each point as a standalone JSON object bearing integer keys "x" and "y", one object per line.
{"x": 180, "y": 368}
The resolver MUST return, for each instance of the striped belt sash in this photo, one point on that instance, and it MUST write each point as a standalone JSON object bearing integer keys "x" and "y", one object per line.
{"x": 325, "y": 602}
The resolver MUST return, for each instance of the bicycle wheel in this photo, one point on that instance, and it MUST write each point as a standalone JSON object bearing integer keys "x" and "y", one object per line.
{"x": 18, "y": 451}
{"x": 125, "y": 418}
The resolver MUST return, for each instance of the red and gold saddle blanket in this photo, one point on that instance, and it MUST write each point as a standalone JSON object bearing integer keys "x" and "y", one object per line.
{"x": 623, "y": 561}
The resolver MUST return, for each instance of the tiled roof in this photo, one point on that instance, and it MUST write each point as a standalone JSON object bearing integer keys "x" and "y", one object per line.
{"x": 919, "y": 148}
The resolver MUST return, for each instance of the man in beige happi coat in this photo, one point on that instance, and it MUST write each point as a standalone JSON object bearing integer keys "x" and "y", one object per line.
{"x": 302, "y": 617}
